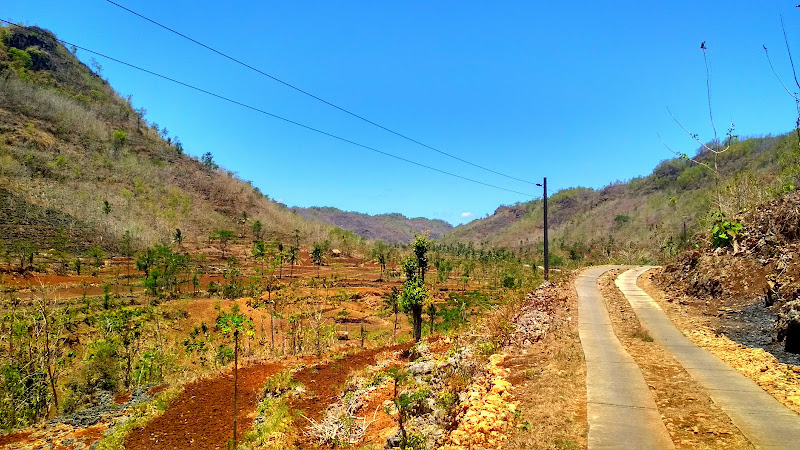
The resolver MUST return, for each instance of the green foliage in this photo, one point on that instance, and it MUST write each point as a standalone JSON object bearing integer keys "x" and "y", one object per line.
{"x": 24, "y": 394}
{"x": 98, "y": 256}
{"x": 382, "y": 253}
{"x": 118, "y": 139}
{"x": 413, "y": 295}
{"x": 223, "y": 237}
{"x": 723, "y": 231}
{"x": 275, "y": 416}
{"x": 20, "y": 59}
{"x": 208, "y": 160}
{"x": 232, "y": 288}
{"x": 420, "y": 247}
{"x": 318, "y": 254}
{"x": 258, "y": 230}
{"x": 279, "y": 383}
{"x": 101, "y": 368}
{"x": 163, "y": 269}
{"x": 443, "y": 269}
{"x": 224, "y": 355}
{"x": 234, "y": 322}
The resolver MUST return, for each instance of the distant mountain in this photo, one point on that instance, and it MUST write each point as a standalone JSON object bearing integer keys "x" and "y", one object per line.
{"x": 390, "y": 228}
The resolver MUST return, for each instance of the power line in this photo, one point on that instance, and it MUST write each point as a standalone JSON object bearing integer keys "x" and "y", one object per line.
{"x": 315, "y": 97}
{"x": 253, "y": 108}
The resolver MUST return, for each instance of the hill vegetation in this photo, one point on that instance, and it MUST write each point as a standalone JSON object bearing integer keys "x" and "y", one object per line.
{"x": 81, "y": 167}
{"x": 647, "y": 219}
{"x": 389, "y": 228}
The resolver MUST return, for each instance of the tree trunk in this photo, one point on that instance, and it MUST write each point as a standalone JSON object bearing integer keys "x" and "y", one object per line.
{"x": 416, "y": 312}
{"x": 272, "y": 329}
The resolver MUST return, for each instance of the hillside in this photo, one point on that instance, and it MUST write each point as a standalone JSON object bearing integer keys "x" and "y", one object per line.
{"x": 748, "y": 284}
{"x": 69, "y": 143}
{"x": 390, "y": 228}
{"x": 647, "y": 219}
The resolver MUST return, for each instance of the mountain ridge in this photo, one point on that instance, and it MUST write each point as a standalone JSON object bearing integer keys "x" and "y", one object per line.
{"x": 392, "y": 228}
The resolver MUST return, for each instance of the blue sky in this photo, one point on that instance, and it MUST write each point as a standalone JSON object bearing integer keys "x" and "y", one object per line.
{"x": 575, "y": 91}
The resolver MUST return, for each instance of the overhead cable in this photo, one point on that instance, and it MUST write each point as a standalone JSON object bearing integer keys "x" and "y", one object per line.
{"x": 315, "y": 97}
{"x": 293, "y": 122}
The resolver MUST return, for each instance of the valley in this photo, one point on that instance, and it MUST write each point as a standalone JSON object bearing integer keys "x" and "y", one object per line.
{"x": 152, "y": 298}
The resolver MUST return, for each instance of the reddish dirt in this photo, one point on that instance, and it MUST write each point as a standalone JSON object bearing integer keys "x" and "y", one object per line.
{"x": 122, "y": 398}
{"x": 11, "y": 438}
{"x": 384, "y": 425}
{"x": 37, "y": 279}
{"x": 325, "y": 383}
{"x": 201, "y": 416}
{"x": 91, "y": 434}
{"x": 156, "y": 390}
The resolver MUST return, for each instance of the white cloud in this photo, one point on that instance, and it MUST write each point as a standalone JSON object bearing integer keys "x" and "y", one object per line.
{"x": 466, "y": 214}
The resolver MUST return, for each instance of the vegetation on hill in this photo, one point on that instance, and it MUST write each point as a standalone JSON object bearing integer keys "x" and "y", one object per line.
{"x": 647, "y": 219}
{"x": 390, "y": 228}
{"x": 80, "y": 167}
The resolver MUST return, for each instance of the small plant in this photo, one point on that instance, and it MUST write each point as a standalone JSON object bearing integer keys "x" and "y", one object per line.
{"x": 723, "y": 231}
{"x": 279, "y": 383}
{"x": 643, "y": 334}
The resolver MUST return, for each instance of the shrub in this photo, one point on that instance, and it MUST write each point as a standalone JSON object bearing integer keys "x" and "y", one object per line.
{"x": 224, "y": 355}
{"x": 20, "y": 58}
{"x": 723, "y": 231}
{"x": 102, "y": 365}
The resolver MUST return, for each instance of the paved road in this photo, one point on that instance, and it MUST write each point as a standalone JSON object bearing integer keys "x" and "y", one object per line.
{"x": 620, "y": 408}
{"x": 761, "y": 418}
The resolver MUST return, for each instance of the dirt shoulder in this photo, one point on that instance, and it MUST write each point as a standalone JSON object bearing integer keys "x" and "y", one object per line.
{"x": 691, "y": 417}
{"x": 780, "y": 380}
{"x": 549, "y": 375}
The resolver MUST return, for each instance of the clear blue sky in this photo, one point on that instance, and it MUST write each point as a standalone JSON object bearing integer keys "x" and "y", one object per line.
{"x": 575, "y": 91}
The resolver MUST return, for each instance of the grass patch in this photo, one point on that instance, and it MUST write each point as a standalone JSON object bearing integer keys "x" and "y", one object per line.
{"x": 272, "y": 421}
{"x": 279, "y": 383}
{"x": 642, "y": 334}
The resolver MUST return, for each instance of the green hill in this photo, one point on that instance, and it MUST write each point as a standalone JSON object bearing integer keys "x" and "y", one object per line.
{"x": 648, "y": 218}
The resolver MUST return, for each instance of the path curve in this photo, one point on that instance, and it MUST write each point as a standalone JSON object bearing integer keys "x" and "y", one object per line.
{"x": 620, "y": 408}
{"x": 760, "y": 417}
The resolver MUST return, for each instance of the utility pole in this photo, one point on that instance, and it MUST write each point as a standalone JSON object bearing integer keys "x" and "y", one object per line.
{"x": 546, "y": 249}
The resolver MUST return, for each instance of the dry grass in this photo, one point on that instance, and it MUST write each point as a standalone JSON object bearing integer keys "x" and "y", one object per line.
{"x": 549, "y": 379}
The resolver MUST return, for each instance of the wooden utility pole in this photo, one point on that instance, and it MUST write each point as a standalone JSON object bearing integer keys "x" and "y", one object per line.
{"x": 546, "y": 249}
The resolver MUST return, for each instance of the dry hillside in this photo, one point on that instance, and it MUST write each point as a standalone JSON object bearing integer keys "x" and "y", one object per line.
{"x": 647, "y": 219}
{"x": 69, "y": 143}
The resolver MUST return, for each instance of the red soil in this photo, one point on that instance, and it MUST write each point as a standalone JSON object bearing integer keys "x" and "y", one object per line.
{"x": 326, "y": 382}
{"x": 91, "y": 434}
{"x": 201, "y": 417}
{"x": 47, "y": 280}
{"x": 11, "y": 438}
{"x": 122, "y": 398}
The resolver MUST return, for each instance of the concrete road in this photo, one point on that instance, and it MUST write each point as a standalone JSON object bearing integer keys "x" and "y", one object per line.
{"x": 760, "y": 417}
{"x": 620, "y": 408}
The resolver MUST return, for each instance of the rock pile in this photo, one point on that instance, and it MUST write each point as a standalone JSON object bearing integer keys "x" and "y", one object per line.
{"x": 486, "y": 411}
{"x": 535, "y": 319}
